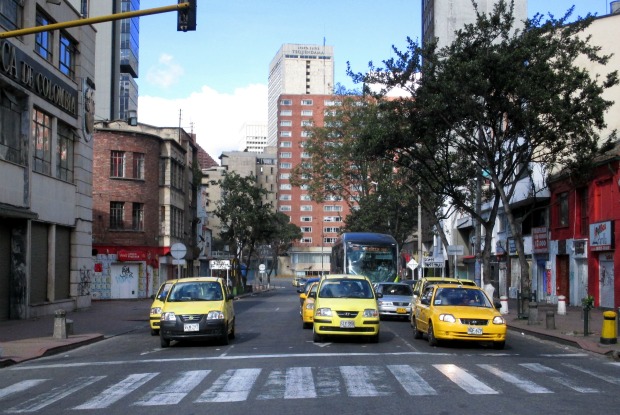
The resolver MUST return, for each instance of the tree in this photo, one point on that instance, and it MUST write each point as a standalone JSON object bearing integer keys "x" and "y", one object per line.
{"x": 496, "y": 102}
{"x": 283, "y": 234}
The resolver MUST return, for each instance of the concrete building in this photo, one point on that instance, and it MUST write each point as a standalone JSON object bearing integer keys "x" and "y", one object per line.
{"x": 300, "y": 70}
{"x": 253, "y": 138}
{"x": 144, "y": 201}
{"x": 440, "y": 19}
{"x": 46, "y": 150}
{"x": 117, "y": 59}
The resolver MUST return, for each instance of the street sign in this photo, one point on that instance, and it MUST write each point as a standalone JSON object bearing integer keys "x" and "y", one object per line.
{"x": 455, "y": 249}
{"x": 178, "y": 250}
{"x": 178, "y": 262}
{"x": 412, "y": 264}
{"x": 433, "y": 262}
{"x": 219, "y": 264}
{"x": 261, "y": 267}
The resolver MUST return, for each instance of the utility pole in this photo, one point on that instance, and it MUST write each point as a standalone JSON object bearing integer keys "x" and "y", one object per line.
{"x": 181, "y": 7}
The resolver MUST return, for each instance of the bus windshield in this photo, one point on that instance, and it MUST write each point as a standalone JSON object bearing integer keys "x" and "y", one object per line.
{"x": 378, "y": 263}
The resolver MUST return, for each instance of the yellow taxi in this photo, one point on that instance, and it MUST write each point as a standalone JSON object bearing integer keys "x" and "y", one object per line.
{"x": 197, "y": 308}
{"x": 345, "y": 305}
{"x": 307, "y": 305}
{"x": 158, "y": 302}
{"x": 420, "y": 285}
{"x": 458, "y": 312}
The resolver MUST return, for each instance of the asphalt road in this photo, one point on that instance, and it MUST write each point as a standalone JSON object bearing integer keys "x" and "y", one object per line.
{"x": 274, "y": 367}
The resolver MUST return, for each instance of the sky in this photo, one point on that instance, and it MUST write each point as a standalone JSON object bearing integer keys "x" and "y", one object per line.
{"x": 213, "y": 81}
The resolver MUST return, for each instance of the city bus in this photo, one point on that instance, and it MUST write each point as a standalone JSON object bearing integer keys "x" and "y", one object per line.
{"x": 374, "y": 255}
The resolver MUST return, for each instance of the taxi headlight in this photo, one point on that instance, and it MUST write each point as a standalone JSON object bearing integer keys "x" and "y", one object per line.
{"x": 324, "y": 312}
{"x": 499, "y": 320}
{"x": 371, "y": 312}
{"x": 169, "y": 316}
{"x": 215, "y": 315}
{"x": 310, "y": 306}
{"x": 447, "y": 318}
{"x": 156, "y": 310}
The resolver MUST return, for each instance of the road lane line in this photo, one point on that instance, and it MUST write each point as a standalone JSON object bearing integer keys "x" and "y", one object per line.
{"x": 115, "y": 392}
{"x": 232, "y": 386}
{"x": 173, "y": 391}
{"x": 519, "y": 382}
{"x": 557, "y": 376}
{"x": 41, "y": 401}
{"x": 411, "y": 381}
{"x": 465, "y": 380}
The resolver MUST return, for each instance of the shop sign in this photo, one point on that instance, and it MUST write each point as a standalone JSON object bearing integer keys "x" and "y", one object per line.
{"x": 540, "y": 240}
{"x": 219, "y": 264}
{"x": 512, "y": 246}
{"x": 580, "y": 248}
{"x": 433, "y": 262}
{"x": 602, "y": 236}
{"x": 131, "y": 255}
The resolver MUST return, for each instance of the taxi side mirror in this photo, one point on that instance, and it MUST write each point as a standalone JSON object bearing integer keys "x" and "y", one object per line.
{"x": 425, "y": 301}
{"x": 312, "y": 295}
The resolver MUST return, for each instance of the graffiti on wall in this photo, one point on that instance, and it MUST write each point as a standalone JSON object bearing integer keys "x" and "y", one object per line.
{"x": 125, "y": 275}
{"x": 85, "y": 280}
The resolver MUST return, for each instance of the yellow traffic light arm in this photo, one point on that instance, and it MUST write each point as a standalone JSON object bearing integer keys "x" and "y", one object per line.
{"x": 93, "y": 20}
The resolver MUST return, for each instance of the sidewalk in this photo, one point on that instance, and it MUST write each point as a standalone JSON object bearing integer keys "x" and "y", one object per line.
{"x": 22, "y": 340}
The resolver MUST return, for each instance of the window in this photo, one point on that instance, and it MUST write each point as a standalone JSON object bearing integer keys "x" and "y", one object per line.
{"x": 329, "y": 241}
{"x": 306, "y": 102}
{"x": 286, "y": 102}
{"x": 68, "y": 52}
{"x": 138, "y": 166}
{"x": 306, "y": 208}
{"x": 286, "y": 155}
{"x": 286, "y": 144}
{"x": 306, "y": 219}
{"x": 285, "y": 208}
{"x": 11, "y": 13}
{"x": 585, "y": 222}
{"x": 331, "y": 230}
{"x": 306, "y": 123}
{"x": 305, "y": 155}
{"x": 286, "y": 123}
{"x": 64, "y": 153}
{"x": 563, "y": 209}
{"x": 306, "y": 240}
{"x": 305, "y": 198}
{"x": 117, "y": 164}
{"x": 285, "y": 197}
{"x": 306, "y": 113}
{"x": 286, "y": 165}
{"x": 285, "y": 186}
{"x": 286, "y": 134}
{"x": 116, "y": 215}
{"x": 306, "y": 133}
{"x": 137, "y": 217}
{"x": 332, "y": 103}
{"x": 176, "y": 175}
{"x": 176, "y": 222}
{"x": 10, "y": 127}
{"x": 43, "y": 40}
{"x": 332, "y": 219}
{"x": 306, "y": 229}
{"x": 332, "y": 208}
{"x": 42, "y": 135}
{"x": 286, "y": 113}
{"x": 285, "y": 176}
{"x": 501, "y": 222}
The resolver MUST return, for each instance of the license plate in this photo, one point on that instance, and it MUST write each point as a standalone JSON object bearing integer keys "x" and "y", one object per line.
{"x": 401, "y": 310}
{"x": 190, "y": 327}
{"x": 474, "y": 330}
{"x": 347, "y": 324}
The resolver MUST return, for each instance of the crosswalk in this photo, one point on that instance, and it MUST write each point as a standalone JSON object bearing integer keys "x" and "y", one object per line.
{"x": 246, "y": 384}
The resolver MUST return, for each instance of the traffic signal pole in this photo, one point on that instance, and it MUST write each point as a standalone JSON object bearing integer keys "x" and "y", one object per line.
{"x": 92, "y": 20}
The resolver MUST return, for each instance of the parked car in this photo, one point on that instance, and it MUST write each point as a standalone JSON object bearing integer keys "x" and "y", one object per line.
{"x": 307, "y": 306}
{"x": 198, "y": 308}
{"x": 156, "y": 306}
{"x": 345, "y": 305}
{"x": 458, "y": 312}
{"x": 396, "y": 299}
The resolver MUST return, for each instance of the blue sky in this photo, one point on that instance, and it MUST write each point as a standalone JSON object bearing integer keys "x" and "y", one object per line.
{"x": 215, "y": 79}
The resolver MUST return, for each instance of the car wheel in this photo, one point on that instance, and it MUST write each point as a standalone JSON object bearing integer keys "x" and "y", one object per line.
{"x": 499, "y": 345}
{"x": 163, "y": 342}
{"x": 432, "y": 340}
{"x": 307, "y": 325}
{"x": 316, "y": 337}
{"x": 374, "y": 338}
{"x": 154, "y": 332}
{"x": 224, "y": 337}
{"x": 232, "y": 331}
{"x": 417, "y": 334}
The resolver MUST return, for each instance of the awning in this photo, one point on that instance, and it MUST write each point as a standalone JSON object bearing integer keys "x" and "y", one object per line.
{"x": 9, "y": 211}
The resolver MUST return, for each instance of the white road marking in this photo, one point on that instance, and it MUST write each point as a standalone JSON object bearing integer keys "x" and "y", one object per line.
{"x": 115, "y": 392}
{"x": 173, "y": 390}
{"x": 232, "y": 386}
{"x": 299, "y": 383}
{"x": 20, "y": 387}
{"x": 411, "y": 381}
{"x": 557, "y": 376}
{"x": 609, "y": 379}
{"x": 359, "y": 381}
{"x": 465, "y": 380}
{"x": 517, "y": 381}
{"x": 39, "y": 402}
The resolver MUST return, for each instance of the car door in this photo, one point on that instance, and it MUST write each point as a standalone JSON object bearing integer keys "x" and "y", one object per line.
{"x": 422, "y": 309}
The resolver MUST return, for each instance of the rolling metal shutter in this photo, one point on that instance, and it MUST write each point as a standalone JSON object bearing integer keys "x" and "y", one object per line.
{"x": 38, "y": 267}
{"x": 62, "y": 264}
{"x": 5, "y": 270}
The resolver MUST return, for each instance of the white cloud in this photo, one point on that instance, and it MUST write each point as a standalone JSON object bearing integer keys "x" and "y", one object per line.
{"x": 215, "y": 118}
{"x": 166, "y": 73}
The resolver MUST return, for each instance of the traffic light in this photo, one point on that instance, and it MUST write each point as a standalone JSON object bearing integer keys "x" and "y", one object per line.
{"x": 186, "y": 17}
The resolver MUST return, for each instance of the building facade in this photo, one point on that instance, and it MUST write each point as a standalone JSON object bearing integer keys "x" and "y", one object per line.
{"x": 300, "y": 70}
{"x": 144, "y": 201}
{"x": 46, "y": 150}
{"x": 253, "y": 138}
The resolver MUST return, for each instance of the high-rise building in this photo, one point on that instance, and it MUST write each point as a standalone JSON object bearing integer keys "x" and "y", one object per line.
{"x": 253, "y": 138}
{"x": 440, "y": 19}
{"x": 300, "y": 70}
{"x": 116, "y": 94}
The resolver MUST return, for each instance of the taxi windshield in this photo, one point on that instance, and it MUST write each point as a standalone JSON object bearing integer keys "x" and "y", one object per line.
{"x": 346, "y": 288}
{"x": 461, "y": 297}
{"x": 196, "y": 291}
